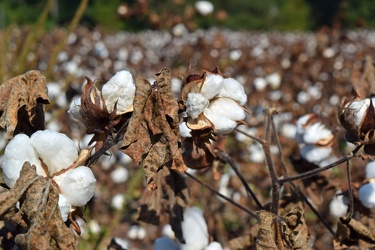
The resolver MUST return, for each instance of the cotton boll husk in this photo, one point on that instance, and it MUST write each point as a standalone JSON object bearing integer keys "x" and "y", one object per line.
{"x": 165, "y": 243}
{"x": 234, "y": 90}
{"x": 195, "y": 104}
{"x": 17, "y": 152}
{"x": 212, "y": 86}
{"x": 370, "y": 169}
{"x": 120, "y": 88}
{"x": 366, "y": 195}
{"x": 315, "y": 154}
{"x": 223, "y": 125}
{"x": 55, "y": 149}
{"x": 120, "y": 175}
{"x": 74, "y": 109}
{"x": 228, "y": 108}
{"x": 78, "y": 185}
{"x": 214, "y": 246}
{"x": 194, "y": 229}
{"x": 316, "y": 132}
{"x": 64, "y": 206}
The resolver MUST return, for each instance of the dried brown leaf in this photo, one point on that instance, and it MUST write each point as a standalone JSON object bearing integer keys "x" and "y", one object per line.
{"x": 21, "y": 103}
{"x": 167, "y": 202}
{"x": 242, "y": 243}
{"x": 152, "y": 138}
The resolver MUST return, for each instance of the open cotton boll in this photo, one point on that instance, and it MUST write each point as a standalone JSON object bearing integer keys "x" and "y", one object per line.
{"x": 228, "y": 108}
{"x": 366, "y": 195}
{"x": 360, "y": 108}
{"x": 64, "y": 206}
{"x": 165, "y": 243}
{"x": 370, "y": 169}
{"x": 234, "y": 90}
{"x": 223, "y": 125}
{"x": 212, "y": 85}
{"x": 315, "y": 133}
{"x": 315, "y": 154}
{"x": 120, "y": 88}
{"x": 55, "y": 149}
{"x": 120, "y": 175}
{"x": 17, "y": 152}
{"x": 214, "y": 246}
{"x": 194, "y": 229}
{"x": 195, "y": 104}
{"x": 337, "y": 207}
{"x": 78, "y": 185}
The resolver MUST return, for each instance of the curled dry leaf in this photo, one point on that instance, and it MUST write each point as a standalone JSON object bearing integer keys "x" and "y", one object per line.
{"x": 39, "y": 206}
{"x": 21, "y": 103}
{"x": 152, "y": 138}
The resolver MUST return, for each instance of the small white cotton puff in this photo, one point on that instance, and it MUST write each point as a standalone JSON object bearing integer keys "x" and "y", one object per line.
{"x": 78, "y": 185}
{"x": 165, "y": 243}
{"x": 194, "y": 229}
{"x": 212, "y": 85}
{"x": 233, "y": 89}
{"x": 120, "y": 88}
{"x": 337, "y": 207}
{"x": 315, "y": 154}
{"x": 17, "y": 152}
{"x": 366, "y": 195}
{"x": 120, "y": 175}
{"x": 55, "y": 149}
{"x": 64, "y": 206}
{"x": 370, "y": 170}
{"x": 136, "y": 232}
{"x": 118, "y": 201}
{"x": 223, "y": 125}
{"x": 316, "y": 132}
{"x": 195, "y": 104}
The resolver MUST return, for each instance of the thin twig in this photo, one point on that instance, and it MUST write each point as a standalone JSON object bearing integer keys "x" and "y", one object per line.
{"x": 251, "y": 213}
{"x": 350, "y": 190}
{"x": 278, "y": 143}
{"x": 225, "y": 157}
{"x": 313, "y": 172}
{"x": 250, "y": 136}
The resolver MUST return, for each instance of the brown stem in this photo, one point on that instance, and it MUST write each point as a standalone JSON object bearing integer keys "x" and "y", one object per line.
{"x": 350, "y": 190}
{"x": 250, "y": 136}
{"x": 225, "y": 157}
{"x": 251, "y": 213}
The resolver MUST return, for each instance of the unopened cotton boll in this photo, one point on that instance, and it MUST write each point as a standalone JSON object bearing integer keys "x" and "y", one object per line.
{"x": 165, "y": 243}
{"x": 120, "y": 175}
{"x": 194, "y": 229}
{"x": 17, "y": 152}
{"x": 366, "y": 195}
{"x": 120, "y": 88}
{"x": 78, "y": 185}
{"x": 370, "y": 170}
{"x": 55, "y": 149}
{"x": 64, "y": 206}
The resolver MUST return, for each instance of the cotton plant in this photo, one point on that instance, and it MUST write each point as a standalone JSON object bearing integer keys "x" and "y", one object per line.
{"x": 215, "y": 102}
{"x": 314, "y": 139}
{"x": 366, "y": 192}
{"x": 55, "y": 157}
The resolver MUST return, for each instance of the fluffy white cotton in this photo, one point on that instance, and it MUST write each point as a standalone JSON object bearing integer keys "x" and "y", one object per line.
{"x": 223, "y": 125}
{"x": 204, "y": 7}
{"x": 366, "y": 195}
{"x": 74, "y": 109}
{"x": 260, "y": 83}
{"x": 228, "y": 108}
{"x": 359, "y": 107}
{"x": 168, "y": 231}
{"x": 195, "y": 104}
{"x": 118, "y": 201}
{"x": 120, "y": 88}
{"x": 78, "y": 185}
{"x": 122, "y": 242}
{"x": 274, "y": 80}
{"x": 55, "y": 149}
{"x": 120, "y": 175}
{"x": 194, "y": 229}
{"x": 315, "y": 154}
{"x": 337, "y": 207}
{"x": 184, "y": 130}
{"x": 212, "y": 86}
{"x": 316, "y": 132}
{"x": 165, "y": 243}
{"x": 233, "y": 89}
{"x": 136, "y": 232}
{"x": 214, "y": 246}
{"x": 370, "y": 169}
{"x": 18, "y": 151}
{"x": 64, "y": 206}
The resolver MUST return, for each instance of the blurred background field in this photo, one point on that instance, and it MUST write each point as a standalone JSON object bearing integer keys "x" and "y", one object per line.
{"x": 300, "y": 55}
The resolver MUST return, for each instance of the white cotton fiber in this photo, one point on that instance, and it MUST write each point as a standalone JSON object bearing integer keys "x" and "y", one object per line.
{"x": 234, "y": 90}
{"x": 194, "y": 229}
{"x": 195, "y": 104}
{"x": 212, "y": 85}
{"x": 228, "y": 108}
{"x": 366, "y": 195}
{"x": 64, "y": 206}
{"x": 223, "y": 125}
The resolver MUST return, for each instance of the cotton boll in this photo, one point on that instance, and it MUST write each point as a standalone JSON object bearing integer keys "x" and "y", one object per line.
{"x": 17, "y": 152}
{"x": 74, "y": 109}
{"x": 315, "y": 154}
{"x": 233, "y": 89}
{"x": 337, "y": 207}
{"x": 94, "y": 227}
{"x": 120, "y": 88}
{"x": 316, "y": 132}
{"x": 212, "y": 85}
{"x": 366, "y": 195}
{"x": 136, "y": 232}
{"x": 120, "y": 175}
{"x": 78, "y": 185}
{"x": 165, "y": 243}
{"x": 260, "y": 83}
{"x": 195, "y": 104}
{"x": 214, "y": 246}
{"x": 274, "y": 80}
{"x": 228, "y": 108}
{"x": 223, "y": 125}
{"x": 370, "y": 169}
{"x": 184, "y": 130}
{"x": 55, "y": 149}
{"x": 118, "y": 201}
{"x": 168, "y": 231}
{"x": 64, "y": 206}
{"x": 194, "y": 229}
{"x": 204, "y": 7}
